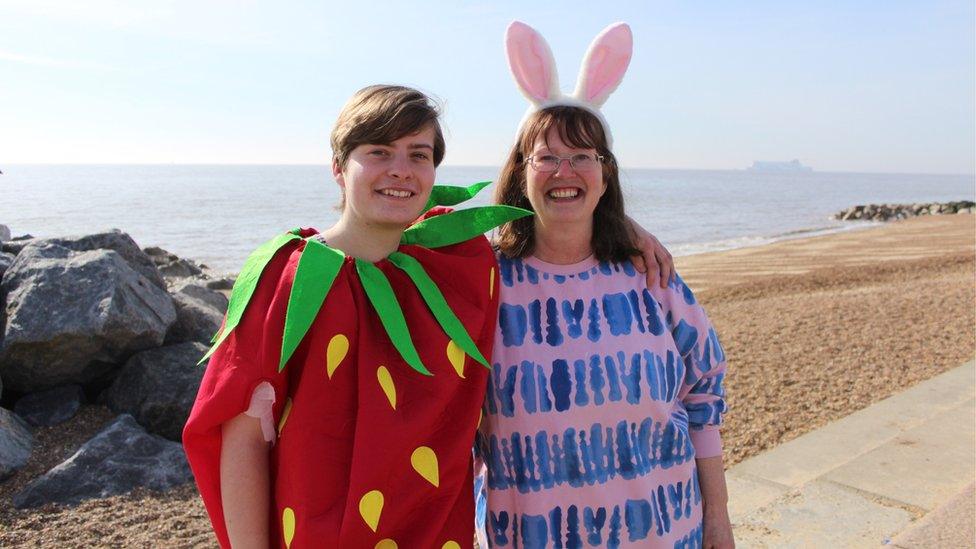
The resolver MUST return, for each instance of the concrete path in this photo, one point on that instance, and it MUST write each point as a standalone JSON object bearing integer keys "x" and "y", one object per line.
{"x": 863, "y": 480}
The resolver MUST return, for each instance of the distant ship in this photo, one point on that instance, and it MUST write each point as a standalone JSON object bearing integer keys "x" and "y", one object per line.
{"x": 791, "y": 166}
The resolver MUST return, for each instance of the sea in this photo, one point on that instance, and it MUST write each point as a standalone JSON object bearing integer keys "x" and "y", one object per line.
{"x": 217, "y": 214}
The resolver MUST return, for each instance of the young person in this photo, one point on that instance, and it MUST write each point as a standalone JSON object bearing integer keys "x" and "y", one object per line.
{"x": 341, "y": 400}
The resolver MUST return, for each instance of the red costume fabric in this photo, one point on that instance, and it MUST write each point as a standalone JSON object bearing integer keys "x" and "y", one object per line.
{"x": 370, "y": 452}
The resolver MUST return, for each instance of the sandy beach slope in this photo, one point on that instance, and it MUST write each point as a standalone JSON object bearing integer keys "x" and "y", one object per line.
{"x": 814, "y": 328}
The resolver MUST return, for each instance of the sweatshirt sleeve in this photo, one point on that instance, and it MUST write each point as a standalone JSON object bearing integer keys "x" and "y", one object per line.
{"x": 702, "y": 392}
{"x": 246, "y": 360}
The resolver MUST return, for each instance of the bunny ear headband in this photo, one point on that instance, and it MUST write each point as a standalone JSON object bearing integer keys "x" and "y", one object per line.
{"x": 534, "y": 69}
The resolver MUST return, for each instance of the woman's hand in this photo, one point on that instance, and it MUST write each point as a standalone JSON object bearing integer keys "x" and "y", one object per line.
{"x": 717, "y": 529}
{"x": 655, "y": 260}
{"x": 716, "y": 526}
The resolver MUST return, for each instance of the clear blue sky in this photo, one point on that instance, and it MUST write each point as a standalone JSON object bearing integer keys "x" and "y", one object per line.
{"x": 880, "y": 86}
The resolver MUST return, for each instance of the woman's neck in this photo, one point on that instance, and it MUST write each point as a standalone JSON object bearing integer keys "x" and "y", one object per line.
{"x": 563, "y": 244}
{"x": 363, "y": 241}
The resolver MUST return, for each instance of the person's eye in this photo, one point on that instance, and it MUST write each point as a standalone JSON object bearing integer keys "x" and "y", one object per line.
{"x": 421, "y": 156}
{"x": 378, "y": 152}
{"x": 547, "y": 158}
{"x": 582, "y": 158}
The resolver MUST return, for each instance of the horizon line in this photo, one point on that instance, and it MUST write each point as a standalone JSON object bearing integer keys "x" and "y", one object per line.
{"x": 496, "y": 167}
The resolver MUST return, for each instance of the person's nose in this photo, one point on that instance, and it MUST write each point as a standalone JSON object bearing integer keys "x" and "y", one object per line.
{"x": 400, "y": 166}
{"x": 565, "y": 168}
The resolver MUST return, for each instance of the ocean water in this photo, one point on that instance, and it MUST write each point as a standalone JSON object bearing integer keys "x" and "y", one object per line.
{"x": 219, "y": 214}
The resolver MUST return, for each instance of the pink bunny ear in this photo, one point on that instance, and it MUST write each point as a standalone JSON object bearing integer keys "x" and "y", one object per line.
{"x": 605, "y": 64}
{"x": 531, "y": 62}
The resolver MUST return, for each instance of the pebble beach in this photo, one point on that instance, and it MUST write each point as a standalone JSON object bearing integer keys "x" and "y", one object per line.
{"x": 814, "y": 329}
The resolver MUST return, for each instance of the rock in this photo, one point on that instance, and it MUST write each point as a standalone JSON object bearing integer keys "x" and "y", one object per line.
{"x": 115, "y": 240}
{"x": 158, "y": 387}
{"x": 6, "y": 260}
{"x": 199, "y": 313}
{"x": 16, "y": 443}
{"x": 15, "y": 244}
{"x": 224, "y": 283}
{"x": 158, "y": 255}
{"x": 71, "y": 317}
{"x": 4, "y": 233}
{"x": 172, "y": 266}
{"x": 120, "y": 458}
{"x": 180, "y": 268}
{"x": 888, "y": 212}
{"x": 50, "y": 407}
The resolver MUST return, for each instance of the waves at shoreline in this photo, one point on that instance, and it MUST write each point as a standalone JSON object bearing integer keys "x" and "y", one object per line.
{"x": 695, "y": 248}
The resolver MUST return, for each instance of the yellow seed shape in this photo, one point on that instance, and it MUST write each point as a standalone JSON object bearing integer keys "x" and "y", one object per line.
{"x": 386, "y": 383}
{"x": 424, "y": 461}
{"x": 481, "y": 415}
{"x": 456, "y": 355}
{"x": 370, "y": 507}
{"x": 386, "y": 544}
{"x": 284, "y": 416}
{"x": 491, "y": 283}
{"x": 288, "y": 525}
{"x": 450, "y": 545}
{"x": 338, "y": 347}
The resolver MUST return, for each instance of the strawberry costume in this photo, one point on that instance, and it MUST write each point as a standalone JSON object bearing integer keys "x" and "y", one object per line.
{"x": 378, "y": 373}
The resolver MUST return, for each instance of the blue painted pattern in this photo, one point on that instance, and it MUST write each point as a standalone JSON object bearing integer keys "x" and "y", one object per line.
{"x": 635, "y": 520}
{"x": 615, "y": 314}
{"x": 596, "y": 455}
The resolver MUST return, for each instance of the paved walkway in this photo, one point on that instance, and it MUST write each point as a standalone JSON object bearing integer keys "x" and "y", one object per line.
{"x": 898, "y": 473}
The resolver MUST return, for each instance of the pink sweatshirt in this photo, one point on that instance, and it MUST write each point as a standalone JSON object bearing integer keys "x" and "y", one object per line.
{"x": 602, "y": 394}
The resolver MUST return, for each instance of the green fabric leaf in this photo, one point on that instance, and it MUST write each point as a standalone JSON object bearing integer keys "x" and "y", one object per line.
{"x": 454, "y": 227}
{"x": 246, "y": 283}
{"x": 384, "y": 301}
{"x": 428, "y": 289}
{"x": 317, "y": 269}
{"x": 449, "y": 195}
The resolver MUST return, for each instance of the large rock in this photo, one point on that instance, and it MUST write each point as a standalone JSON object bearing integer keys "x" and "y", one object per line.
{"x": 158, "y": 387}
{"x": 199, "y": 313}
{"x": 115, "y": 240}
{"x": 117, "y": 460}
{"x": 71, "y": 317}
{"x": 16, "y": 442}
{"x": 51, "y": 407}
{"x": 4, "y": 233}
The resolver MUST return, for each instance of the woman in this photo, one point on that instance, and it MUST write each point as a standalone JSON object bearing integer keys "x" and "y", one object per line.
{"x": 606, "y": 395}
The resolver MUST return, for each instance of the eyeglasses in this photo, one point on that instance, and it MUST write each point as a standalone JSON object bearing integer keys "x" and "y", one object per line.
{"x": 551, "y": 162}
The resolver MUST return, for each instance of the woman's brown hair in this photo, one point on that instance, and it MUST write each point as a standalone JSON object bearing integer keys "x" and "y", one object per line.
{"x": 612, "y": 238}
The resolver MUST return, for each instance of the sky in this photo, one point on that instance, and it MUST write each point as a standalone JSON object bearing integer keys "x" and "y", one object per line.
{"x": 861, "y": 86}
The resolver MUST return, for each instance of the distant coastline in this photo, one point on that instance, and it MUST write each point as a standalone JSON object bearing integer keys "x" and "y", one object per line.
{"x": 778, "y": 167}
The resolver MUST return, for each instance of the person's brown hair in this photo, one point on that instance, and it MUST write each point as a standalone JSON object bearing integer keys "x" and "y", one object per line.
{"x": 612, "y": 238}
{"x": 381, "y": 114}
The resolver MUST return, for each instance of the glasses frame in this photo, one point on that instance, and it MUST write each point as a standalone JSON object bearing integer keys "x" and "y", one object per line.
{"x": 559, "y": 162}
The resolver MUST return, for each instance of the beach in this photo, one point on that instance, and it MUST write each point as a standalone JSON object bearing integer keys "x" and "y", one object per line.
{"x": 814, "y": 329}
